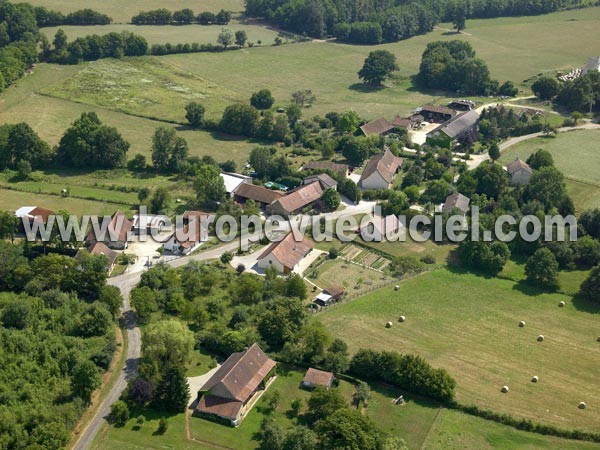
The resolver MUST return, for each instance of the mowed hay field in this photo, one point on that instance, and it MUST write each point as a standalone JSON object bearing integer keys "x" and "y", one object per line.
{"x": 123, "y": 11}
{"x": 577, "y": 155}
{"x": 469, "y": 326}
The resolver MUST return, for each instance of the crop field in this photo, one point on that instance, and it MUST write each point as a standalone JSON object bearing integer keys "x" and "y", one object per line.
{"x": 175, "y": 34}
{"x": 469, "y": 326}
{"x": 123, "y": 11}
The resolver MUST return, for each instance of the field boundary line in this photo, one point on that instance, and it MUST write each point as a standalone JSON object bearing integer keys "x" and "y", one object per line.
{"x": 433, "y": 424}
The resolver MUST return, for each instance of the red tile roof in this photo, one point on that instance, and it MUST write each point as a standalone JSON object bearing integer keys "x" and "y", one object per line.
{"x": 300, "y": 197}
{"x": 377, "y": 127}
{"x": 241, "y": 373}
{"x": 219, "y": 406}
{"x": 288, "y": 251}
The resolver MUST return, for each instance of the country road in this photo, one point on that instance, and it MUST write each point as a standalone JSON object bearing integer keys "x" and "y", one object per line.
{"x": 125, "y": 283}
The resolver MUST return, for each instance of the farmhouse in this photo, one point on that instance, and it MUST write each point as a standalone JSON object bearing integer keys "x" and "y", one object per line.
{"x": 435, "y": 113}
{"x": 408, "y": 122}
{"x": 296, "y": 200}
{"x": 188, "y": 239}
{"x": 454, "y": 202}
{"x": 317, "y": 378}
{"x": 233, "y": 181}
{"x": 449, "y": 131}
{"x": 116, "y": 234}
{"x": 592, "y": 65}
{"x": 286, "y": 254}
{"x": 341, "y": 169}
{"x": 100, "y": 248}
{"x": 261, "y": 195}
{"x": 380, "y": 171}
{"x": 32, "y": 214}
{"x": 519, "y": 171}
{"x": 323, "y": 179}
{"x": 230, "y": 392}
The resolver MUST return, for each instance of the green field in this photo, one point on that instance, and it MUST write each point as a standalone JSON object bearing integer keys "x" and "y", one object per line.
{"x": 50, "y": 117}
{"x": 123, "y": 11}
{"x": 420, "y": 423}
{"x": 175, "y": 34}
{"x": 469, "y": 325}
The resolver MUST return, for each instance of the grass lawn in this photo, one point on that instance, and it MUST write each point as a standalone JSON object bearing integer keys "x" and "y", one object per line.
{"x": 175, "y": 34}
{"x": 123, "y": 11}
{"x": 469, "y": 325}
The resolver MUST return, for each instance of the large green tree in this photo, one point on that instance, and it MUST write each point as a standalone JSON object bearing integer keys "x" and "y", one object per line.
{"x": 172, "y": 391}
{"x": 542, "y": 269}
{"x": 378, "y": 67}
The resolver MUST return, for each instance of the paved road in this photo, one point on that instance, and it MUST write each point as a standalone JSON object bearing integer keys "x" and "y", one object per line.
{"x": 126, "y": 282}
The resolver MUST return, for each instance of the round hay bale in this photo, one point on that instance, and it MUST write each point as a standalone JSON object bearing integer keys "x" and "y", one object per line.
{"x": 401, "y": 319}
{"x": 388, "y": 325}
{"x": 598, "y": 339}
{"x": 396, "y": 287}
{"x": 522, "y": 323}
{"x": 582, "y": 405}
{"x": 540, "y": 338}
{"x": 562, "y": 304}
{"x": 504, "y": 389}
{"x": 535, "y": 379}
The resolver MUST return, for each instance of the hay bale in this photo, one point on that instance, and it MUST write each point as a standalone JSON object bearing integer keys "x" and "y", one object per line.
{"x": 562, "y": 304}
{"x": 598, "y": 339}
{"x": 540, "y": 338}
{"x": 396, "y": 287}
{"x": 504, "y": 389}
{"x": 582, "y": 405}
{"x": 388, "y": 325}
{"x": 522, "y": 323}
{"x": 535, "y": 379}
{"x": 401, "y": 319}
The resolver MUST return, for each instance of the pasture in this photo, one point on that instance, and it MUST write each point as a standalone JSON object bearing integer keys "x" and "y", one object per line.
{"x": 328, "y": 68}
{"x": 469, "y": 325}
{"x": 123, "y": 11}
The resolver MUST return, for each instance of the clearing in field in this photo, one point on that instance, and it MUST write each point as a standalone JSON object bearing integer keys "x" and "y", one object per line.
{"x": 146, "y": 87}
{"x": 469, "y": 325}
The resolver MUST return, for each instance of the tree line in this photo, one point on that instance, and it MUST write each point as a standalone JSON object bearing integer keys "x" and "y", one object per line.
{"x": 185, "y": 16}
{"x": 50, "y": 18}
{"x": 373, "y": 22}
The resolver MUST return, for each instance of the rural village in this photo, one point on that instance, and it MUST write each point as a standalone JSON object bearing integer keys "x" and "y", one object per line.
{"x": 138, "y": 115}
